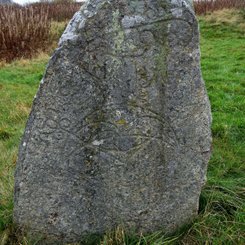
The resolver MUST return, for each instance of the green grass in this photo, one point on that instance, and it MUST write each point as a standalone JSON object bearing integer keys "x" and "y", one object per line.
{"x": 222, "y": 204}
{"x": 222, "y": 220}
{"x": 18, "y": 84}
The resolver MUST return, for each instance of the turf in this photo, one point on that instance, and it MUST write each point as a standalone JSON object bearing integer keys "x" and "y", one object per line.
{"x": 18, "y": 84}
{"x": 222, "y": 216}
{"x": 221, "y": 219}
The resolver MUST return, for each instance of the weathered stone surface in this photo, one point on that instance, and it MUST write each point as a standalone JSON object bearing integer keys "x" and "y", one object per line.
{"x": 119, "y": 132}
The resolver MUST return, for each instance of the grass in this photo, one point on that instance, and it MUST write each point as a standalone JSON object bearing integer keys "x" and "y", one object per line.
{"x": 18, "y": 83}
{"x": 221, "y": 219}
{"x": 222, "y": 216}
{"x": 205, "y": 6}
{"x": 25, "y": 31}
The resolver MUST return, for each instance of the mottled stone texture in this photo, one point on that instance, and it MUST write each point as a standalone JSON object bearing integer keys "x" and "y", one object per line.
{"x": 119, "y": 131}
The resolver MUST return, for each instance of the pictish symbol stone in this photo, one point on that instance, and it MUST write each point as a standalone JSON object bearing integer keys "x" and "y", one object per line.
{"x": 119, "y": 132}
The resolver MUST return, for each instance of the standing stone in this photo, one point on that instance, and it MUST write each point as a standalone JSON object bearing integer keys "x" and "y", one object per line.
{"x": 119, "y": 132}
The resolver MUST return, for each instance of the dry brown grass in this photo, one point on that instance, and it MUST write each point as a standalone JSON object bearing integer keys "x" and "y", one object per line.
{"x": 225, "y": 16}
{"x": 232, "y": 17}
{"x": 205, "y": 6}
{"x": 25, "y": 31}
{"x": 58, "y": 11}
{"x": 40, "y": 57}
{"x": 22, "y": 31}
{"x": 116, "y": 237}
{"x": 23, "y": 108}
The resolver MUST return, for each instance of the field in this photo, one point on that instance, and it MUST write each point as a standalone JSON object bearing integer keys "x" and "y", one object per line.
{"x": 221, "y": 218}
{"x": 206, "y": 6}
{"x": 27, "y": 30}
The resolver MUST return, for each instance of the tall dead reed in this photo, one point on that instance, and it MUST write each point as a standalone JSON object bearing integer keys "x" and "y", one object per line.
{"x": 58, "y": 11}
{"x": 205, "y": 6}
{"x": 26, "y": 30}
{"x": 23, "y": 30}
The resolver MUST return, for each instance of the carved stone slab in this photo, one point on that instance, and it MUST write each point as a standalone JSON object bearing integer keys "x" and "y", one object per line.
{"x": 119, "y": 132}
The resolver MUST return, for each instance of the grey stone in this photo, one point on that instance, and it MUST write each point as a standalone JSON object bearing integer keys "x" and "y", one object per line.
{"x": 119, "y": 132}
